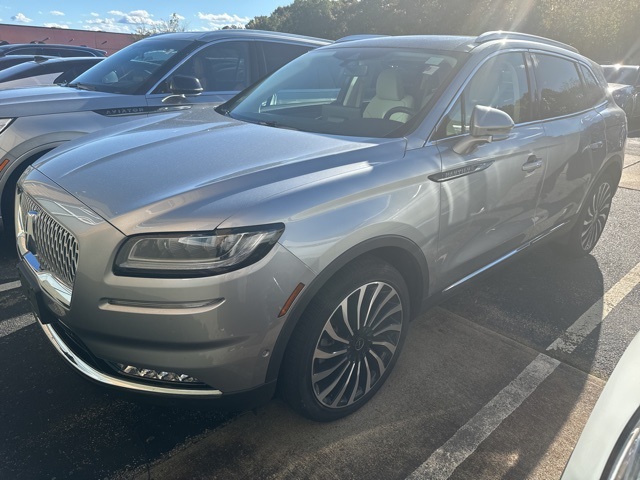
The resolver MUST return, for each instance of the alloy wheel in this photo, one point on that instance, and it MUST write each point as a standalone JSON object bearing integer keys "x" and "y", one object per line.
{"x": 596, "y": 216}
{"x": 356, "y": 345}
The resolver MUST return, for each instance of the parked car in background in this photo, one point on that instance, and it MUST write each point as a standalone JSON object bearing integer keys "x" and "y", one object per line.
{"x": 609, "y": 447}
{"x": 51, "y": 50}
{"x": 46, "y": 71}
{"x": 12, "y": 60}
{"x": 624, "y": 85}
{"x": 291, "y": 234}
{"x": 155, "y": 75}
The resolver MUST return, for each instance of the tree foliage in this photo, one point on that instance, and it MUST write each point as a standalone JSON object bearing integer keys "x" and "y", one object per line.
{"x": 175, "y": 23}
{"x": 605, "y": 31}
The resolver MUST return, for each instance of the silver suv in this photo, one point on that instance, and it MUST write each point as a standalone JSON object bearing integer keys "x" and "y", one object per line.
{"x": 158, "y": 74}
{"x": 292, "y": 234}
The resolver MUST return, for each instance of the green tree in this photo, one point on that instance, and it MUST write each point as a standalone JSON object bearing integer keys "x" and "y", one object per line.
{"x": 175, "y": 23}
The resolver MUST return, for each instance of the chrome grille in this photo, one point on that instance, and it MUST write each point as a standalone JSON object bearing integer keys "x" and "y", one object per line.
{"x": 56, "y": 248}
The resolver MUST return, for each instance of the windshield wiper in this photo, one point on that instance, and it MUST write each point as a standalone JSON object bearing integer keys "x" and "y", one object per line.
{"x": 273, "y": 123}
{"x": 222, "y": 111}
{"x": 82, "y": 86}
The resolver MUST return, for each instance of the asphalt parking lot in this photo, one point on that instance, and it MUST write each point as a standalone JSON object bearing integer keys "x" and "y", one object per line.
{"x": 496, "y": 382}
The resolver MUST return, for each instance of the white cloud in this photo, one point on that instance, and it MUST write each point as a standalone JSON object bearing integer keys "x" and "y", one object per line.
{"x": 21, "y": 17}
{"x": 107, "y": 25}
{"x": 57, "y": 13}
{"x": 219, "y": 20}
{"x": 126, "y": 23}
{"x": 55, "y": 25}
{"x": 94, "y": 14}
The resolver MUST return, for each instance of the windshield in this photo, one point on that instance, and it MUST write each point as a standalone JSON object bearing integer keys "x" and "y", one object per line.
{"x": 130, "y": 69}
{"x": 370, "y": 92}
{"x": 623, "y": 75}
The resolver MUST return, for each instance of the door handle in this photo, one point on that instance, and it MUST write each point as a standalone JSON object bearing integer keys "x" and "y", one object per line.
{"x": 596, "y": 145}
{"x": 533, "y": 163}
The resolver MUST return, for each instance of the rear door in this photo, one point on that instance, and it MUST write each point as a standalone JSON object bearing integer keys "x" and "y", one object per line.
{"x": 489, "y": 196}
{"x": 575, "y": 146}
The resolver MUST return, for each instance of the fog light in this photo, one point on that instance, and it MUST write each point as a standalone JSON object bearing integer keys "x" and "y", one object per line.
{"x": 155, "y": 375}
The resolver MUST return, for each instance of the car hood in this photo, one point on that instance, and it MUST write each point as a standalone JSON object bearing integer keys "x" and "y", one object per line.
{"x": 25, "y": 102}
{"x": 194, "y": 170}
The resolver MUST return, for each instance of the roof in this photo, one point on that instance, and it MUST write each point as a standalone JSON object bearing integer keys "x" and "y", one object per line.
{"x": 451, "y": 42}
{"x": 10, "y": 46}
{"x": 242, "y": 33}
{"x": 436, "y": 42}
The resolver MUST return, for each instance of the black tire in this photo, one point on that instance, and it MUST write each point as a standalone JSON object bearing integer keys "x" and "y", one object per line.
{"x": 361, "y": 351}
{"x": 592, "y": 219}
{"x": 7, "y": 200}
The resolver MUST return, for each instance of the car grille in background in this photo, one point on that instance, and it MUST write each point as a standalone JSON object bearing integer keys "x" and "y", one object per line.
{"x": 56, "y": 247}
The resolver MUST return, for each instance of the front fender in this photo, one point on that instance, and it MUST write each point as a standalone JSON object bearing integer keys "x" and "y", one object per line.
{"x": 376, "y": 246}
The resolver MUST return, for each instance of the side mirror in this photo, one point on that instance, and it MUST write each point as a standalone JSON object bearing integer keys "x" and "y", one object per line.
{"x": 184, "y": 85}
{"x": 487, "y": 125}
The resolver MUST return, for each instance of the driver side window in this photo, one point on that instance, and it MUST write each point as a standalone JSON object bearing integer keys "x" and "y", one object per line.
{"x": 222, "y": 67}
{"x": 501, "y": 82}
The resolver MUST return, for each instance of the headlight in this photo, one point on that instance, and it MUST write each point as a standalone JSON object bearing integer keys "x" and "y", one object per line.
{"x": 627, "y": 463}
{"x": 4, "y": 123}
{"x": 196, "y": 255}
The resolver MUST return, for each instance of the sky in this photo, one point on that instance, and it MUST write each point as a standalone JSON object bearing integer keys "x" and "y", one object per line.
{"x": 125, "y": 16}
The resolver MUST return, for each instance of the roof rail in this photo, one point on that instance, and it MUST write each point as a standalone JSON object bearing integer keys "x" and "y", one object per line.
{"x": 363, "y": 36}
{"x": 504, "y": 35}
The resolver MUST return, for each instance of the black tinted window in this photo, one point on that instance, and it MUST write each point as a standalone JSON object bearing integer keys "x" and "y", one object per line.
{"x": 278, "y": 54}
{"x": 559, "y": 86}
{"x": 621, "y": 74}
{"x": 70, "y": 52}
{"x": 26, "y": 51}
{"x": 593, "y": 91}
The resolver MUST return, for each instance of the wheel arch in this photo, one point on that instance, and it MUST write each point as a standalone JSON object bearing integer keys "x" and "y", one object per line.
{"x": 16, "y": 170}
{"x": 402, "y": 253}
{"x": 614, "y": 168}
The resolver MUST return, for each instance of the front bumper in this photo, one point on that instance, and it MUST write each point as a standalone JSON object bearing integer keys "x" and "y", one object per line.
{"x": 220, "y": 330}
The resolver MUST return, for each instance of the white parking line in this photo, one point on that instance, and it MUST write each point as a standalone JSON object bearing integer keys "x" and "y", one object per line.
{"x": 9, "y": 286}
{"x": 446, "y": 459}
{"x": 12, "y": 325}
{"x": 443, "y": 462}
{"x": 581, "y": 328}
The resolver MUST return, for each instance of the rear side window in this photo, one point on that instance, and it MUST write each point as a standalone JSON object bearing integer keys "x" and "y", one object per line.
{"x": 560, "y": 89}
{"x": 26, "y": 51}
{"x": 278, "y": 54}
{"x": 593, "y": 91}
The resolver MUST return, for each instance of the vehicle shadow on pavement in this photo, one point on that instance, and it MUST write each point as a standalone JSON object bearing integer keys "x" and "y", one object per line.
{"x": 457, "y": 358}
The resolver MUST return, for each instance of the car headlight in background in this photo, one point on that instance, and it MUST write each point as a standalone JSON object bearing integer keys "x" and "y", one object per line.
{"x": 4, "y": 123}
{"x": 195, "y": 254}
{"x": 627, "y": 463}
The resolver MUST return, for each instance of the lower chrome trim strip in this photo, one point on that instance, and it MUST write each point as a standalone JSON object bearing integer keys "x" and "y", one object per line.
{"x": 504, "y": 257}
{"x": 100, "y": 377}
